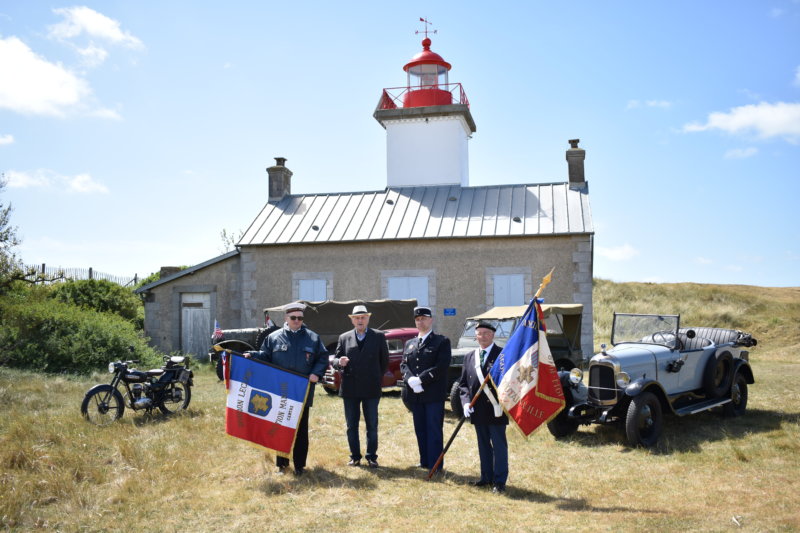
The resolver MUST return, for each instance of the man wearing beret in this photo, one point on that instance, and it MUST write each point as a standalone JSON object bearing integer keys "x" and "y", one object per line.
{"x": 426, "y": 359}
{"x": 295, "y": 347}
{"x": 362, "y": 356}
{"x": 487, "y": 414}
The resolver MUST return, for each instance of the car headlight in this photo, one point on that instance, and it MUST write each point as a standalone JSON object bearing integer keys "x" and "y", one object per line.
{"x": 112, "y": 367}
{"x": 623, "y": 379}
{"x": 575, "y": 376}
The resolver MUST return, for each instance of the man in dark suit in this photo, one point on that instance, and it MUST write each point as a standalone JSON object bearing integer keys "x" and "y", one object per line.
{"x": 426, "y": 359}
{"x": 362, "y": 356}
{"x": 487, "y": 414}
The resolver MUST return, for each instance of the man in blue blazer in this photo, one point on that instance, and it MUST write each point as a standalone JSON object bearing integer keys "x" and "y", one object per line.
{"x": 487, "y": 414}
{"x": 362, "y": 356}
{"x": 426, "y": 359}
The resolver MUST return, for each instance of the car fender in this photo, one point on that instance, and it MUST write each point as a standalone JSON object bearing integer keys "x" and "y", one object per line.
{"x": 742, "y": 366}
{"x": 637, "y": 387}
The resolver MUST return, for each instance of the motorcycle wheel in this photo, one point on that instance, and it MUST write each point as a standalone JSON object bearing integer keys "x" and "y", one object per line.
{"x": 176, "y": 397}
{"x": 102, "y": 405}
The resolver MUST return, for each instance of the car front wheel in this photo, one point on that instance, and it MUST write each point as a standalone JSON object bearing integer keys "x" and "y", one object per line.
{"x": 644, "y": 420}
{"x": 738, "y": 403}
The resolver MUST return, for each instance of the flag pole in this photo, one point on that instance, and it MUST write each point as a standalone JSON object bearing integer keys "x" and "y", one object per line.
{"x": 545, "y": 282}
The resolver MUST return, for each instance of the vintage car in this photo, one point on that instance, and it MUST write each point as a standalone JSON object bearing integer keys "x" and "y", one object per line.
{"x": 656, "y": 366}
{"x": 396, "y": 341}
{"x": 563, "y": 323}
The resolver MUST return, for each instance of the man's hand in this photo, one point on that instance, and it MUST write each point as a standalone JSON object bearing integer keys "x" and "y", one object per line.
{"x": 313, "y": 378}
{"x": 247, "y": 355}
{"x": 468, "y": 410}
{"x": 343, "y": 361}
{"x": 415, "y": 383}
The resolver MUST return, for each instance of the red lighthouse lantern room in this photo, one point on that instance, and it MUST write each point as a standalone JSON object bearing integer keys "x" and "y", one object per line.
{"x": 427, "y": 79}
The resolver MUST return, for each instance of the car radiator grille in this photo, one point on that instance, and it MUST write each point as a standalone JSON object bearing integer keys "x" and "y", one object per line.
{"x": 602, "y": 388}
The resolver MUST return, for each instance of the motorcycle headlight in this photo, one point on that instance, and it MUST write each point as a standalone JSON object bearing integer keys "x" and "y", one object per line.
{"x": 112, "y": 367}
{"x": 575, "y": 376}
{"x": 623, "y": 379}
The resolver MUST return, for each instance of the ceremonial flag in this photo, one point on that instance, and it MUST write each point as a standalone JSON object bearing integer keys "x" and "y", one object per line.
{"x": 525, "y": 374}
{"x": 265, "y": 403}
{"x": 218, "y": 335}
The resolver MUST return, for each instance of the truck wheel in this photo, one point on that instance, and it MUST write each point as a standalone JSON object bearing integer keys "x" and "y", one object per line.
{"x": 644, "y": 420}
{"x": 718, "y": 375}
{"x": 738, "y": 402}
{"x": 455, "y": 399}
{"x": 562, "y": 426}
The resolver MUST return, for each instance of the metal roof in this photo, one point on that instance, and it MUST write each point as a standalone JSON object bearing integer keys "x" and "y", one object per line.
{"x": 424, "y": 212}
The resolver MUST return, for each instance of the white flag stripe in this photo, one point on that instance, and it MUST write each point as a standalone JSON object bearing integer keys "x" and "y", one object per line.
{"x": 283, "y": 411}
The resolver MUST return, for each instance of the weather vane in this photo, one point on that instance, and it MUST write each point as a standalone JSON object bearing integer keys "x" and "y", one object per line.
{"x": 425, "y": 31}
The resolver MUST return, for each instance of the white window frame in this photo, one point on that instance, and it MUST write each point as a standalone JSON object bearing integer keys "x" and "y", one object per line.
{"x": 527, "y": 284}
{"x": 327, "y": 277}
{"x": 430, "y": 275}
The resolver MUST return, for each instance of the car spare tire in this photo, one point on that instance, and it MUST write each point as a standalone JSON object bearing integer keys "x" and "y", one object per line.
{"x": 718, "y": 374}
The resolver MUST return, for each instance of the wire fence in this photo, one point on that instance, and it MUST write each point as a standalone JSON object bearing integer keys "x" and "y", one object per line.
{"x": 81, "y": 273}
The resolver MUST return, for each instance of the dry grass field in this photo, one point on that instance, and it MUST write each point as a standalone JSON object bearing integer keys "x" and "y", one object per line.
{"x": 156, "y": 473}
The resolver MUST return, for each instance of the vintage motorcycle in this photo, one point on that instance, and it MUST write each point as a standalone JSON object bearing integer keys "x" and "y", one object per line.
{"x": 169, "y": 388}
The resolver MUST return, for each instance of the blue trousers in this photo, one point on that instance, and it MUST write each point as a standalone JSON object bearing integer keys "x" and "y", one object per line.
{"x": 428, "y": 422}
{"x": 493, "y": 451}
{"x": 352, "y": 415}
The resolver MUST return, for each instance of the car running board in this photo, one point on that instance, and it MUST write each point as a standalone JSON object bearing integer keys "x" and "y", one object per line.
{"x": 702, "y": 406}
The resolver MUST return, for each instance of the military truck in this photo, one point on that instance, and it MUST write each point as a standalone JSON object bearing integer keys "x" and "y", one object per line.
{"x": 563, "y": 323}
{"x": 328, "y": 319}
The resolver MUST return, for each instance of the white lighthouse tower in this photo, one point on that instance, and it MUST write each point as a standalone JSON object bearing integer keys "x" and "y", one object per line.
{"x": 428, "y": 124}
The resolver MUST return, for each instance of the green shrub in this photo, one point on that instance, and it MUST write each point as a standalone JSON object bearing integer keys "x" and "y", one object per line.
{"x": 100, "y": 295}
{"x": 48, "y": 335}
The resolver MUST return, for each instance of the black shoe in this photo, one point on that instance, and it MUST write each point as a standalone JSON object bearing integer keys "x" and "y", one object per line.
{"x": 282, "y": 470}
{"x": 499, "y": 488}
{"x": 373, "y": 463}
{"x": 479, "y": 483}
{"x": 299, "y": 471}
{"x": 354, "y": 462}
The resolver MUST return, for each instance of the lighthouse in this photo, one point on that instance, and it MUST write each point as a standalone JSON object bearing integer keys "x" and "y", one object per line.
{"x": 428, "y": 125}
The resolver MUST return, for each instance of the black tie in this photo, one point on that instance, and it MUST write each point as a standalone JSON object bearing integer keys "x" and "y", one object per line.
{"x": 483, "y": 357}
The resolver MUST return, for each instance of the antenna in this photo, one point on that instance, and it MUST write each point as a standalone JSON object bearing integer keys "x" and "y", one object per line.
{"x": 425, "y": 31}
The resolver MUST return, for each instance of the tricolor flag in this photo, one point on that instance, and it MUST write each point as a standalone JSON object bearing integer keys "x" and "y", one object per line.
{"x": 218, "y": 335}
{"x": 265, "y": 403}
{"x": 525, "y": 374}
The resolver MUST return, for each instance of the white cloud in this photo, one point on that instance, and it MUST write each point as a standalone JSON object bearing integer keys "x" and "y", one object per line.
{"x": 703, "y": 260}
{"x": 741, "y": 153}
{"x": 6, "y": 139}
{"x": 733, "y": 268}
{"x": 83, "y": 183}
{"x": 105, "y": 113}
{"x": 47, "y": 179}
{"x": 93, "y": 55}
{"x": 31, "y": 84}
{"x": 635, "y": 104}
{"x": 780, "y": 119}
{"x": 796, "y": 81}
{"x": 24, "y": 180}
{"x": 81, "y": 19}
{"x": 618, "y": 253}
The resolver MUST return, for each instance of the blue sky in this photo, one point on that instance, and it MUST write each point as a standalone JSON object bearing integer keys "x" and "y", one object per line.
{"x": 133, "y": 133}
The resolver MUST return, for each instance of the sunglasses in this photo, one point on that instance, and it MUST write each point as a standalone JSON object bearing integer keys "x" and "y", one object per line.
{"x": 295, "y": 317}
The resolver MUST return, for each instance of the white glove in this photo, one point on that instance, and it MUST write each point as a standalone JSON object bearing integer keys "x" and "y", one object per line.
{"x": 415, "y": 383}
{"x": 468, "y": 410}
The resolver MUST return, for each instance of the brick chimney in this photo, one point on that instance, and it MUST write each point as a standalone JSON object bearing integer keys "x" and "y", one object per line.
{"x": 280, "y": 180}
{"x": 575, "y": 157}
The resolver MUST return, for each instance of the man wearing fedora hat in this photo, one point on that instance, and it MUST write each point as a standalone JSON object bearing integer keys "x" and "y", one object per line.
{"x": 362, "y": 357}
{"x": 487, "y": 414}
{"x": 426, "y": 359}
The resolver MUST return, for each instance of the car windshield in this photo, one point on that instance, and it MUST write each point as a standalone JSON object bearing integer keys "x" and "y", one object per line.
{"x": 649, "y": 329}
{"x": 396, "y": 345}
{"x": 504, "y": 329}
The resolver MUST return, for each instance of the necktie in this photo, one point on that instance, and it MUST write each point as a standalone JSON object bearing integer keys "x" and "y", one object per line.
{"x": 483, "y": 357}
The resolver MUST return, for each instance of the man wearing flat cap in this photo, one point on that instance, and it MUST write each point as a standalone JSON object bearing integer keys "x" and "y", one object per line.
{"x": 295, "y": 347}
{"x": 426, "y": 359}
{"x": 362, "y": 357}
{"x": 487, "y": 414}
